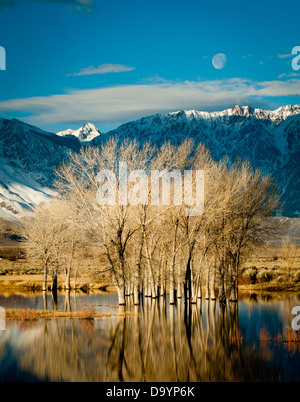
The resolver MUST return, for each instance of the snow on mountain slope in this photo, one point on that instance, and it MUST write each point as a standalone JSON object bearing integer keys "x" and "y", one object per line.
{"x": 28, "y": 157}
{"x": 63, "y": 133}
{"x": 19, "y": 192}
{"x": 85, "y": 133}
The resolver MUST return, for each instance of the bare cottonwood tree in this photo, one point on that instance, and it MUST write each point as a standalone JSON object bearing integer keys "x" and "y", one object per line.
{"x": 44, "y": 231}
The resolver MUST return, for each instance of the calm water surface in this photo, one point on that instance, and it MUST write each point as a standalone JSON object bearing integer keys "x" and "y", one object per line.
{"x": 159, "y": 343}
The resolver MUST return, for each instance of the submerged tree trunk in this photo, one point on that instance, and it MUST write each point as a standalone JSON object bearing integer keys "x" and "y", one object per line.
{"x": 173, "y": 265}
{"x": 207, "y": 284}
{"x": 234, "y": 279}
{"x": 213, "y": 284}
{"x": 179, "y": 288}
{"x": 136, "y": 293}
{"x": 194, "y": 289}
{"x": 45, "y": 276}
{"x": 162, "y": 278}
{"x": 54, "y": 287}
{"x": 162, "y": 281}
{"x": 137, "y": 273}
{"x": 199, "y": 286}
{"x": 187, "y": 281}
{"x": 172, "y": 290}
{"x": 172, "y": 281}
{"x": 222, "y": 292}
{"x": 121, "y": 295}
{"x": 118, "y": 273}
{"x": 154, "y": 290}
{"x": 147, "y": 283}
{"x": 68, "y": 280}
{"x": 54, "y": 282}
{"x": 75, "y": 276}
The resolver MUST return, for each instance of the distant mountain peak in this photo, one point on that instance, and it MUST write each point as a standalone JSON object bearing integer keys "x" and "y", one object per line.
{"x": 85, "y": 133}
{"x": 242, "y": 110}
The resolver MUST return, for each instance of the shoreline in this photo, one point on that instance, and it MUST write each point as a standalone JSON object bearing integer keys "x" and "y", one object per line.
{"x": 32, "y": 283}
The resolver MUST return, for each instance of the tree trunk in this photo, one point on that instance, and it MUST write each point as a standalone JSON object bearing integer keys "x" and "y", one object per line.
{"x": 54, "y": 283}
{"x": 162, "y": 283}
{"x": 147, "y": 285}
{"x": 137, "y": 274}
{"x": 153, "y": 290}
{"x": 172, "y": 293}
{"x": 162, "y": 278}
{"x": 213, "y": 284}
{"x": 121, "y": 295}
{"x": 222, "y": 293}
{"x": 199, "y": 291}
{"x": 136, "y": 294}
{"x": 173, "y": 265}
{"x": 75, "y": 277}
{"x": 234, "y": 280}
{"x": 45, "y": 276}
{"x": 68, "y": 275}
{"x": 207, "y": 284}
{"x": 178, "y": 282}
{"x": 187, "y": 281}
{"x": 194, "y": 288}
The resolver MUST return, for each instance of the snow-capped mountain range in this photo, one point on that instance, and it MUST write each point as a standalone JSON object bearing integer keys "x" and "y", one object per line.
{"x": 269, "y": 139}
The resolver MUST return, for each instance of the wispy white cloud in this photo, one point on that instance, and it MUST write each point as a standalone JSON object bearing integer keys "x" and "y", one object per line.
{"x": 284, "y": 56}
{"x": 103, "y": 69}
{"x": 289, "y": 75}
{"x": 155, "y": 79}
{"x": 123, "y": 103}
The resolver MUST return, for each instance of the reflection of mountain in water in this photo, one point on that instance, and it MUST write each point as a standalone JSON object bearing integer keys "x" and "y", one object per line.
{"x": 161, "y": 343}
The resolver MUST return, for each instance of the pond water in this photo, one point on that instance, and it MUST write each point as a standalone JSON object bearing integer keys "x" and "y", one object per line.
{"x": 245, "y": 341}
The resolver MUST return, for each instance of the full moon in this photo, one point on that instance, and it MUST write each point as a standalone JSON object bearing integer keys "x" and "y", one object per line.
{"x": 219, "y": 60}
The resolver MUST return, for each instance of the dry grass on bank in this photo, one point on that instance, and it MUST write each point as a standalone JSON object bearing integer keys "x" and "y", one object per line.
{"x": 272, "y": 269}
{"x": 26, "y": 314}
{"x": 290, "y": 339}
{"x": 17, "y": 272}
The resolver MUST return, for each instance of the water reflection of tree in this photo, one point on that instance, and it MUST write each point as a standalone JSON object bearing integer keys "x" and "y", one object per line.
{"x": 162, "y": 343}
{"x": 186, "y": 345}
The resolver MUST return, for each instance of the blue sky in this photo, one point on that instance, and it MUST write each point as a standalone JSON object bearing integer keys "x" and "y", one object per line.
{"x": 108, "y": 62}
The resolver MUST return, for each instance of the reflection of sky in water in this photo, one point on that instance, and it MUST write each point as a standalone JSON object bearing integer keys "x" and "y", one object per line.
{"x": 102, "y": 302}
{"x": 271, "y": 315}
